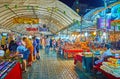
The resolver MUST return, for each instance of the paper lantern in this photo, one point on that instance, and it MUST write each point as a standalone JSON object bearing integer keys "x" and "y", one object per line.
{"x": 64, "y": 12}
{"x": 6, "y": 5}
{"x": 55, "y": 9}
{"x": 28, "y": 7}
{"x": 77, "y": 10}
{"x": 49, "y": 9}
{"x": 77, "y": 2}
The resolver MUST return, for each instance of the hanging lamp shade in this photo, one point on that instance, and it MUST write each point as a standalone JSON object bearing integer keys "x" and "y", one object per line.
{"x": 77, "y": 10}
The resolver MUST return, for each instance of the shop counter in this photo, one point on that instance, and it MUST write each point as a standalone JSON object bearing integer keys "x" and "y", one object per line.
{"x": 72, "y": 52}
{"x": 15, "y": 73}
{"x": 108, "y": 75}
{"x": 10, "y": 71}
{"x": 78, "y": 57}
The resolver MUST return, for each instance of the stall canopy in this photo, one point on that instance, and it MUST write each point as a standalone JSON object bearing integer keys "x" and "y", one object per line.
{"x": 56, "y": 15}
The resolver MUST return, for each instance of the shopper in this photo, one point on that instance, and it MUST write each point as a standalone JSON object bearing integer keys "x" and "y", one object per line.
{"x": 51, "y": 43}
{"x": 21, "y": 49}
{"x": 12, "y": 46}
{"x": 47, "y": 47}
{"x": 54, "y": 44}
{"x": 43, "y": 42}
{"x": 29, "y": 46}
{"x": 35, "y": 48}
{"x": 38, "y": 48}
{"x": 106, "y": 54}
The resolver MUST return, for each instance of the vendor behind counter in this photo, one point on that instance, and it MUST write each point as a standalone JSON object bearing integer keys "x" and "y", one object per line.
{"x": 107, "y": 53}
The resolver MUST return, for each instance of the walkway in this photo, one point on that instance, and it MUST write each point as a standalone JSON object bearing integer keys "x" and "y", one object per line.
{"x": 52, "y": 66}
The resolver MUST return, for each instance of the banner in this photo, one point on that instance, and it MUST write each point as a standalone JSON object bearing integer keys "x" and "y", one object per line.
{"x": 103, "y": 24}
{"x": 25, "y": 20}
{"x": 41, "y": 29}
{"x": 31, "y": 29}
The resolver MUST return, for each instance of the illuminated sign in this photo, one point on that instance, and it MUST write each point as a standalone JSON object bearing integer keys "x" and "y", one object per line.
{"x": 102, "y": 23}
{"x": 31, "y": 29}
{"x": 24, "y": 20}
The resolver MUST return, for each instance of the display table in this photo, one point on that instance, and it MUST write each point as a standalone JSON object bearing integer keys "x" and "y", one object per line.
{"x": 78, "y": 57}
{"x": 109, "y": 76}
{"x": 15, "y": 73}
{"x": 71, "y": 52}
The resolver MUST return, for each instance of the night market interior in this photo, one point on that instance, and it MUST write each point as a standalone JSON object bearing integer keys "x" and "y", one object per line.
{"x": 59, "y": 39}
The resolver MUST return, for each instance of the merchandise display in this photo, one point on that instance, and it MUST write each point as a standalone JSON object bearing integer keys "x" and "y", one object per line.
{"x": 111, "y": 69}
{"x": 70, "y": 50}
{"x": 5, "y": 68}
{"x": 112, "y": 66}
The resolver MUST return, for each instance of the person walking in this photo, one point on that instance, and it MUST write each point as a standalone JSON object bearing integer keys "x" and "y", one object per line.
{"x": 47, "y": 47}
{"x": 30, "y": 47}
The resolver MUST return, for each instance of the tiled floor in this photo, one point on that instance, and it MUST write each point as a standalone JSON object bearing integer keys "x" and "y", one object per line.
{"x": 52, "y": 66}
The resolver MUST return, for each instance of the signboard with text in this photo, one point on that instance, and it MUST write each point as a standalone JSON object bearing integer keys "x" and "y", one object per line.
{"x": 103, "y": 24}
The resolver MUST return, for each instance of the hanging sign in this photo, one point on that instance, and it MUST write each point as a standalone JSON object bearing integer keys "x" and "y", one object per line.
{"x": 31, "y": 29}
{"x": 25, "y": 20}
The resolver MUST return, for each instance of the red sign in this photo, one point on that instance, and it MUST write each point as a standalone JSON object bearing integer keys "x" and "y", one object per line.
{"x": 31, "y": 29}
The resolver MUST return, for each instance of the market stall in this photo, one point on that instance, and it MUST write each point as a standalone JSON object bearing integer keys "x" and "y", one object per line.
{"x": 70, "y": 50}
